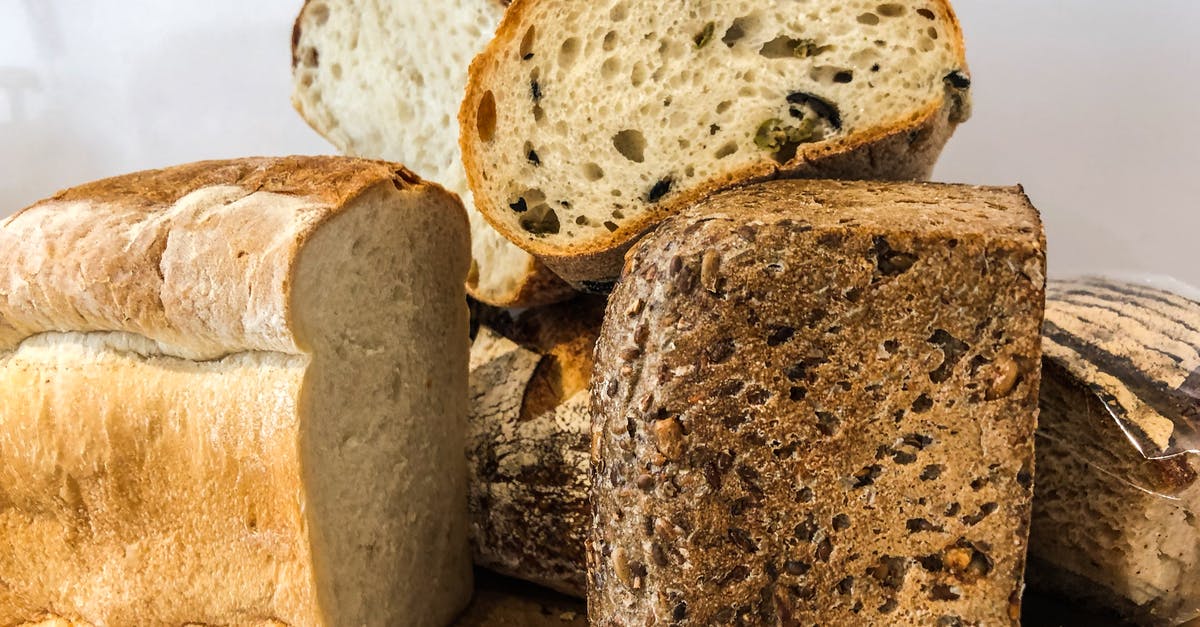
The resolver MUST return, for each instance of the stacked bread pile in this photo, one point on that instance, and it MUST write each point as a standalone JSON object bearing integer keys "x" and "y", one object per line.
{"x": 804, "y": 390}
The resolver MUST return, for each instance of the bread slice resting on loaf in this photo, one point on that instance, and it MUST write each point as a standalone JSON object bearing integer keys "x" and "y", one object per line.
{"x": 384, "y": 80}
{"x": 1116, "y": 518}
{"x": 587, "y": 123}
{"x": 234, "y": 392}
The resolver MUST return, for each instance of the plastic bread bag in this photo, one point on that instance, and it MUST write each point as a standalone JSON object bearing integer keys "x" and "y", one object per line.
{"x": 1118, "y": 448}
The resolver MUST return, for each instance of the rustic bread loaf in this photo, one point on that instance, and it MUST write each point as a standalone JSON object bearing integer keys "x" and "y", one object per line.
{"x": 587, "y": 123}
{"x": 814, "y": 403}
{"x": 234, "y": 392}
{"x": 1115, "y": 514}
{"x": 527, "y": 443}
{"x": 385, "y": 80}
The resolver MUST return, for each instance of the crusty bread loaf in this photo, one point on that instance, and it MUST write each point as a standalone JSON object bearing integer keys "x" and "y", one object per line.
{"x": 384, "y": 80}
{"x": 1114, "y": 521}
{"x": 234, "y": 392}
{"x": 814, "y": 403}
{"x": 586, "y": 123}
{"x": 527, "y": 444}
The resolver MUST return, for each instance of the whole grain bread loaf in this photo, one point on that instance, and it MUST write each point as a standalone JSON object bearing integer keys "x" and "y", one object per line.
{"x": 1115, "y": 515}
{"x": 814, "y": 403}
{"x": 234, "y": 392}
{"x": 587, "y": 123}
{"x": 528, "y": 436}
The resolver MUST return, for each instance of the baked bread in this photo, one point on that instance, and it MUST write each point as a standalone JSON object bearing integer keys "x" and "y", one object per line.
{"x": 814, "y": 402}
{"x": 384, "y": 80}
{"x": 234, "y": 392}
{"x": 587, "y": 123}
{"x": 527, "y": 443}
{"x": 1114, "y": 521}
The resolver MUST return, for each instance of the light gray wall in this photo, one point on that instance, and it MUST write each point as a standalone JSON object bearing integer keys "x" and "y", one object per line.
{"x": 1094, "y": 105}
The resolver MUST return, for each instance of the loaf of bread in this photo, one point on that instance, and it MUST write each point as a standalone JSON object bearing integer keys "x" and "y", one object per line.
{"x": 1115, "y": 514}
{"x": 814, "y": 403}
{"x": 384, "y": 80}
{"x": 235, "y": 393}
{"x": 527, "y": 443}
{"x": 587, "y": 123}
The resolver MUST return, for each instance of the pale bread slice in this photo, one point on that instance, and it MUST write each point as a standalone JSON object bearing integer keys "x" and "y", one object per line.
{"x": 587, "y": 123}
{"x": 384, "y": 80}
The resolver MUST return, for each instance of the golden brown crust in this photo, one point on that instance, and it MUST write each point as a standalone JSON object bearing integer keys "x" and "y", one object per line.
{"x": 137, "y": 253}
{"x": 833, "y": 159}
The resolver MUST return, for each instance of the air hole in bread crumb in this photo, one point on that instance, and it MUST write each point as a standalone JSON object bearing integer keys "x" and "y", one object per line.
{"x": 568, "y": 53}
{"x": 610, "y": 40}
{"x": 638, "y": 75}
{"x": 592, "y": 172}
{"x": 619, "y": 12}
{"x": 485, "y": 117}
{"x": 724, "y": 106}
{"x": 870, "y": 19}
{"x": 933, "y": 32}
{"x": 726, "y": 150}
{"x": 309, "y": 57}
{"x": 631, "y": 144}
{"x": 319, "y": 13}
{"x": 784, "y": 47}
{"x": 336, "y": 70}
{"x": 740, "y": 28}
{"x": 890, "y": 10}
{"x": 526, "y": 50}
{"x": 610, "y": 68}
{"x": 927, "y": 14}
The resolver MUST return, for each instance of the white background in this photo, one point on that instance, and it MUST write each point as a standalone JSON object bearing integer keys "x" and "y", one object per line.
{"x": 1094, "y": 105}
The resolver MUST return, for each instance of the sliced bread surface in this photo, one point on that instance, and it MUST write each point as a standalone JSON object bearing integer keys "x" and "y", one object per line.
{"x": 585, "y": 124}
{"x": 815, "y": 405}
{"x": 235, "y": 393}
{"x": 384, "y": 80}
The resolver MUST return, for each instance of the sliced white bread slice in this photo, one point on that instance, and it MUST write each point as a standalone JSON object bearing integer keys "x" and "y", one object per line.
{"x": 384, "y": 80}
{"x": 587, "y": 123}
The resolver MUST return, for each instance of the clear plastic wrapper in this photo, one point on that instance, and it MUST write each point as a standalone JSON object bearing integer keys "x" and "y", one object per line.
{"x": 1119, "y": 448}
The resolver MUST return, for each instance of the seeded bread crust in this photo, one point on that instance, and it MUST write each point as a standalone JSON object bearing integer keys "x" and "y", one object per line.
{"x": 814, "y": 403}
{"x": 1114, "y": 525}
{"x": 905, "y": 148}
{"x": 528, "y": 442}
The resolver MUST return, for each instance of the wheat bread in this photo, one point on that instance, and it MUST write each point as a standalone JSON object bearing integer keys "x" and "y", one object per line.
{"x": 585, "y": 124}
{"x": 384, "y": 80}
{"x": 814, "y": 403}
{"x": 1115, "y": 513}
{"x": 234, "y": 392}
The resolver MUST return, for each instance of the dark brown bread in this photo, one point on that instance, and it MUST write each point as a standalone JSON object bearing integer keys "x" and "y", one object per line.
{"x": 814, "y": 402}
{"x": 528, "y": 442}
{"x": 1110, "y": 526}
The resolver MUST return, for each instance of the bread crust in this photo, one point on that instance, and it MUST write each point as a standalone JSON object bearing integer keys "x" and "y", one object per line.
{"x": 121, "y": 254}
{"x": 528, "y": 444}
{"x": 912, "y": 144}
